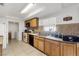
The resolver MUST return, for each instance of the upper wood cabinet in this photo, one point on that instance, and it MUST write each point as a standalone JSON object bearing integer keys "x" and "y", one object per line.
{"x": 68, "y": 49}
{"x": 27, "y": 24}
{"x": 32, "y": 23}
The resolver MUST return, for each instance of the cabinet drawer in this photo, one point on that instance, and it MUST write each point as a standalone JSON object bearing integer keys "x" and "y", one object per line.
{"x": 56, "y": 43}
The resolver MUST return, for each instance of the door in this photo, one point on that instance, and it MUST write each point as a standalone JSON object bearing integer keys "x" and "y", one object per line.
{"x": 9, "y": 36}
{"x": 68, "y": 49}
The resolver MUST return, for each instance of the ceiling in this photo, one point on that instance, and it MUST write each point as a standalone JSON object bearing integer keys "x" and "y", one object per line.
{"x": 11, "y": 9}
{"x": 14, "y": 9}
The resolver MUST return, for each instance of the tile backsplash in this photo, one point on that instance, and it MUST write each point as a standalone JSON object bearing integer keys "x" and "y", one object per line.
{"x": 68, "y": 29}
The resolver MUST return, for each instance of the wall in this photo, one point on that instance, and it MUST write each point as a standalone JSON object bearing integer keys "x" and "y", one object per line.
{"x": 68, "y": 29}
{"x": 5, "y": 36}
{"x": 71, "y": 11}
{"x": 47, "y": 22}
{"x": 5, "y": 21}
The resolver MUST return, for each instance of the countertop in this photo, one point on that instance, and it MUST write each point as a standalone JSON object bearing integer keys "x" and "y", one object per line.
{"x": 48, "y": 37}
{"x": 51, "y": 38}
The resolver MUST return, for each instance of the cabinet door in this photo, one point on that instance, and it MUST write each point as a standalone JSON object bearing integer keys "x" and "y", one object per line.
{"x": 47, "y": 47}
{"x": 68, "y": 49}
{"x": 41, "y": 44}
{"x": 34, "y": 23}
{"x": 55, "y": 48}
{"x": 36, "y": 42}
{"x": 77, "y": 49}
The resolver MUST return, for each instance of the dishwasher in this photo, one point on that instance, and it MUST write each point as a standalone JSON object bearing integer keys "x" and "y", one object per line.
{"x": 31, "y": 40}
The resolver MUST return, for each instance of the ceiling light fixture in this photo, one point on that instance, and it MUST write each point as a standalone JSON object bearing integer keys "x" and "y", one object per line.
{"x": 36, "y": 11}
{"x": 29, "y": 6}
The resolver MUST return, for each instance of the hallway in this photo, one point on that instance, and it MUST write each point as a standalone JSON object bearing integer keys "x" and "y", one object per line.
{"x": 19, "y": 48}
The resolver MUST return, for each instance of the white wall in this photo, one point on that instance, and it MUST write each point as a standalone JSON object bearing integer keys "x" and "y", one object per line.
{"x": 4, "y": 20}
{"x": 5, "y": 36}
{"x": 58, "y": 18}
{"x": 47, "y": 22}
{"x": 72, "y": 11}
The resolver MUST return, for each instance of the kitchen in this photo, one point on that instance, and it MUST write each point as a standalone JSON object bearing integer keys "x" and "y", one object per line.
{"x": 57, "y": 38}
{"x": 41, "y": 32}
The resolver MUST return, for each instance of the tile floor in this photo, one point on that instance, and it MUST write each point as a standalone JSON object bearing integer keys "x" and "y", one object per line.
{"x": 20, "y": 48}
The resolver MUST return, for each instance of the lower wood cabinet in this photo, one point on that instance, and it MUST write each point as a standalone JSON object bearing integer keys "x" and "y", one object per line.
{"x": 68, "y": 49}
{"x": 35, "y": 42}
{"x": 55, "y": 48}
{"x": 77, "y": 49}
{"x": 39, "y": 43}
{"x": 47, "y": 47}
{"x": 52, "y": 48}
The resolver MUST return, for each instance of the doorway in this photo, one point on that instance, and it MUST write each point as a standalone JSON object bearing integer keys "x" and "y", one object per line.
{"x": 13, "y": 31}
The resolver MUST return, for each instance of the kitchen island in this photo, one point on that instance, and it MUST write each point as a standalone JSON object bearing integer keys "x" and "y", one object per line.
{"x": 53, "y": 46}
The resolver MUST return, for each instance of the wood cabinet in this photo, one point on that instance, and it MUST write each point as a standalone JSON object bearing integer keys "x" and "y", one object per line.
{"x": 39, "y": 43}
{"x": 77, "y": 49}
{"x": 68, "y": 49}
{"x": 52, "y": 48}
{"x": 32, "y": 23}
{"x": 47, "y": 47}
{"x": 35, "y": 42}
{"x": 55, "y": 48}
{"x": 27, "y": 23}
